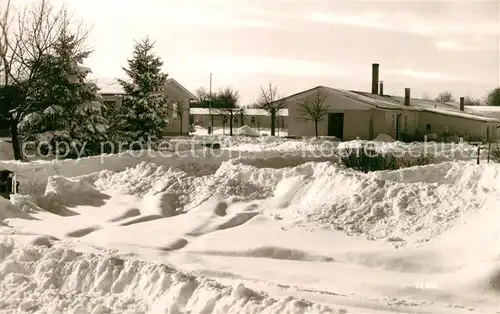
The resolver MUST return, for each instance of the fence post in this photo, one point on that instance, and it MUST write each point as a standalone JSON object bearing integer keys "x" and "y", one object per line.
{"x": 478, "y": 144}
{"x": 489, "y": 151}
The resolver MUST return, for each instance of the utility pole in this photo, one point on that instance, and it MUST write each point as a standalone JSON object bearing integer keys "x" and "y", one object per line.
{"x": 210, "y": 106}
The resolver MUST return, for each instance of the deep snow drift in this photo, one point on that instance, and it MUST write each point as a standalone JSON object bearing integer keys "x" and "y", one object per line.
{"x": 249, "y": 232}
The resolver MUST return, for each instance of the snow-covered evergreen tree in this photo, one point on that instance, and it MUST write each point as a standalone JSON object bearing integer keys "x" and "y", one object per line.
{"x": 144, "y": 109}
{"x": 73, "y": 113}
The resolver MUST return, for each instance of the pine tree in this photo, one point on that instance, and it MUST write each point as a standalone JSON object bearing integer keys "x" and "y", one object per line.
{"x": 73, "y": 112}
{"x": 144, "y": 109}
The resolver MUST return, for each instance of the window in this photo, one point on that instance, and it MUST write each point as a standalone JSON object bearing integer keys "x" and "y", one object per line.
{"x": 393, "y": 122}
{"x": 235, "y": 119}
{"x": 174, "y": 110}
{"x": 406, "y": 123}
{"x": 252, "y": 120}
{"x": 109, "y": 103}
{"x": 428, "y": 127}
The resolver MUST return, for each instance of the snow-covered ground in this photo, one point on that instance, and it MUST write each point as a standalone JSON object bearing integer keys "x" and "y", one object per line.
{"x": 265, "y": 225}
{"x": 199, "y": 130}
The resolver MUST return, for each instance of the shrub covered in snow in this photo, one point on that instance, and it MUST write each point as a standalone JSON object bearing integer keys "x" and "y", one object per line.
{"x": 494, "y": 153}
{"x": 367, "y": 159}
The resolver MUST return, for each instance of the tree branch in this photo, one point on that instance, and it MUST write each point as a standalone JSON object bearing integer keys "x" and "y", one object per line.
{"x": 313, "y": 108}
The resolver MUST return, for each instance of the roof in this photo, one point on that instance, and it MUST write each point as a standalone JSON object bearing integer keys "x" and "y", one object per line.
{"x": 388, "y": 102}
{"x": 484, "y": 109}
{"x": 176, "y": 83}
{"x": 462, "y": 114}
{"x": 374, "y": 101}
{"x": 364, "y": 101}
{"x": 450, "y": 109}
{"x": 111, "y": 86}
{"x": 246, "y": 111}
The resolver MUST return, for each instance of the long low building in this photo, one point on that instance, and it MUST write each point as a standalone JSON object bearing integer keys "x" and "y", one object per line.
{"x": 255, "y": 118}
{"x": 364, "y": 115}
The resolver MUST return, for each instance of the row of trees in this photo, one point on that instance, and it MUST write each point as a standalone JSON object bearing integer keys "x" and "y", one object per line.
{"x": 44, "y": 88}
{"x": 225, "y": 102}
{"x": 491, "y": 99}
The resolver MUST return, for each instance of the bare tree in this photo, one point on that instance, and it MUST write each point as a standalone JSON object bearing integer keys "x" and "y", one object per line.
{"x": 226, "y": 101}
{"x": 314, "y": 109}
{"x": 26, "y": 38}
{"x": 271, "y": 101}
{"x": 179, "y": 109}
{"x": 445, "y": 96}
{"x": 470, "y": 101}
{"x": 202, "y": 96}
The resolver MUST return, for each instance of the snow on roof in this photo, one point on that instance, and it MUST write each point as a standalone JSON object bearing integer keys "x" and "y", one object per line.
{"x": 260, "y": 112}
{"x": 447, "y": 108}
{"x": 462, "y": 114}
{"x": 379, "y": 102}
{"x": 181, "y": 87}
{"x": 485, "y": 109}
{"x": 111, "y": 86}
{"x": 246, "y": 111}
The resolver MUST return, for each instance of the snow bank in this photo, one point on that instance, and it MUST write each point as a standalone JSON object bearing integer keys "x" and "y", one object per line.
{"x": 14, "y": 208}
{"x": 382, "y": 137}
{"x": 61, "y": 191}
{"x": 413, "y": 202}
{"x": 420, "y": 201}
{"x": 53, "y": 280}
{"x": 246, "y": 131}
{"x": 33, "y": 176}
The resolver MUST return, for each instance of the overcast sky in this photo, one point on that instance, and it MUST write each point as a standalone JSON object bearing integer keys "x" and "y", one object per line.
{"x": 428, "y": 46}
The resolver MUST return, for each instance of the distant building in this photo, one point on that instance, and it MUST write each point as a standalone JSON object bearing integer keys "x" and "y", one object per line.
{"x": 254, "y": 118}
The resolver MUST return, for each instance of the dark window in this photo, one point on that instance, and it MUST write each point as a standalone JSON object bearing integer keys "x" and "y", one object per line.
{"x": 235, "y": 119}
{"x": 428, "y": 127}
{"x": 252, "y": 120}
{"x": 406, "y": 123}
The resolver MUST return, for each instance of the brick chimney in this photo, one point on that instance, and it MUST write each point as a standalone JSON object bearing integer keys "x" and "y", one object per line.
{"x": 407, "y": 96}
{"x": 375, "y": 70}
{"x": 382, "y": 88}
{"x": 462, "y": 103}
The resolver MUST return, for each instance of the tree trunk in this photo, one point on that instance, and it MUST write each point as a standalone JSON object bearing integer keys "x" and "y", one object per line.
{"x": 180, "y": 117}
{"x": 16, "y": 143}
{"x": 231, "y": 123}
{"x": 316, "y": 128}
{"x": 273, "y": 122}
